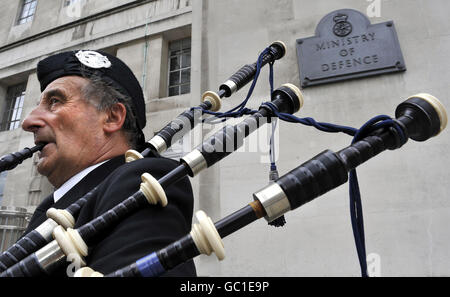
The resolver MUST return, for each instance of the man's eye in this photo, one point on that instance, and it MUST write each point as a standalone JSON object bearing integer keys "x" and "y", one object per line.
{"x": 53, "y": 101}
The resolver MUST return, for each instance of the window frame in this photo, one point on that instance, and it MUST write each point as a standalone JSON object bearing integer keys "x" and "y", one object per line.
{"x": 14, "y": 104}
{"x": 184, "y": 50}
{"x": 30, "y": 7}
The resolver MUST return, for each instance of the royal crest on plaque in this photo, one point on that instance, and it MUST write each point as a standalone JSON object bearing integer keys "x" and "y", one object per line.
{"x": 342, "y": 27}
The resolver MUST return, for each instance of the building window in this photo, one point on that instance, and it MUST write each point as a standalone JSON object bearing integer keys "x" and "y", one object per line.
{"x": 27, "y": 13}
{"x": 180, "y": 67}
{"x": 13, "y": 108}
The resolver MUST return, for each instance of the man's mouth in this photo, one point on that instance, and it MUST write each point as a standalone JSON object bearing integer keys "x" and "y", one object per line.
{"x": 44, "y": 144}
{"x": 41, "y": 145}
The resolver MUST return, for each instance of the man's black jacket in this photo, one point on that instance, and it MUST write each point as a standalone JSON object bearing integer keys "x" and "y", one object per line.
{"x": 147, "y": 230}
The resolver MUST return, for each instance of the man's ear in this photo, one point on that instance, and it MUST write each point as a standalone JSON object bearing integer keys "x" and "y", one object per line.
{"x": 115, "y": 117}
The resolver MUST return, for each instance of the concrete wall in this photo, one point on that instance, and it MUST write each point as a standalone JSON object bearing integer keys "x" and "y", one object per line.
{"x": 403, "y": 191}
{"x": 51, "y": 14}
{"x": 406, "y": 209}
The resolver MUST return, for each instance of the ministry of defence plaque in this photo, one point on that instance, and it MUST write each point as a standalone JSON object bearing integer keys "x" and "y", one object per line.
{"x": 345, "y": 46}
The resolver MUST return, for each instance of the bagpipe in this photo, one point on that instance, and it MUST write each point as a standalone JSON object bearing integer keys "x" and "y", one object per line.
{"x": 173, "y": 131}
{"x": 49, "y": 246}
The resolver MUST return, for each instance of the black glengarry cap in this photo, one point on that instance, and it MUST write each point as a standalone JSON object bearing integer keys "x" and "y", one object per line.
{"x": 88, "y": 63}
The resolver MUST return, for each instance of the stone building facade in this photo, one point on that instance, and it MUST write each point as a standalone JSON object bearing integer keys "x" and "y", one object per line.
{"x": 404, "y": 192}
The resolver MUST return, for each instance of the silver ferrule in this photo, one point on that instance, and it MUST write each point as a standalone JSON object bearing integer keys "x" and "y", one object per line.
{"x": 230, "y": 84}
{"x": 46, "y": 229}
{"x": 158, "y": 143}
{"x": 195, "y": 161}
{"x": 274, "y": 201}
{"x": 50, "y": 255}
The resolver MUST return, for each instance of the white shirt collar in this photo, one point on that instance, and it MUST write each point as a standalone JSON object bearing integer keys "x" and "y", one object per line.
{"x": 61, "y": 191}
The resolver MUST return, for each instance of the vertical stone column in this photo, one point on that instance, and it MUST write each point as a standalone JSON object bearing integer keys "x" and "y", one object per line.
{"x": 3, "y": 90}
{"x": 145, "y": 58}
{"x": 208, "y": 182}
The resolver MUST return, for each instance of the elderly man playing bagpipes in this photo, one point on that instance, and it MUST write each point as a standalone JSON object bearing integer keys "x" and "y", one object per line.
{"x": 90, "y": 113}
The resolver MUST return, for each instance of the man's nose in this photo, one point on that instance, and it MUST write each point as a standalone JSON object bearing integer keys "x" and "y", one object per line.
{"x": 34, "y": 120}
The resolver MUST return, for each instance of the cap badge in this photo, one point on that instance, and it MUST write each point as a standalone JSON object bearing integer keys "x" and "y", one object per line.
{"x": 93, "y": 59}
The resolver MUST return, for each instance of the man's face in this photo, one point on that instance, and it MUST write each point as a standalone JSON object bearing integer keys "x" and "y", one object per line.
{"x": 70, "y": 126}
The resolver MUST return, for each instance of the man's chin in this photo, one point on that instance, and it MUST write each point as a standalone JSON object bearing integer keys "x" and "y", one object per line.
{"x": 43, "y": 167}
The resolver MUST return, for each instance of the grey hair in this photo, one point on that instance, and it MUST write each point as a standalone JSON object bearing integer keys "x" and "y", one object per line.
{"x": 104, "y": 95}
